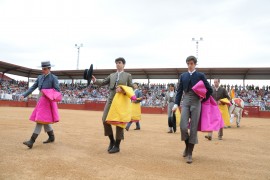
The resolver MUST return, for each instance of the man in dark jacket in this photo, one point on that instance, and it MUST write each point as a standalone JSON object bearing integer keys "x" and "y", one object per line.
{"x": 191, "y": 107}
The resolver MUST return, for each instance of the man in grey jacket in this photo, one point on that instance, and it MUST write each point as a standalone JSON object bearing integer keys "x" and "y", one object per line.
{"x": 169, "y": 101}
{"x": 118, "y": 78}
{"x": 45, "y": 81}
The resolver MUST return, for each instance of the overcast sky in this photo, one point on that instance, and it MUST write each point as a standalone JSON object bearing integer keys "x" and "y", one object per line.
{"x": 147, "y": 33}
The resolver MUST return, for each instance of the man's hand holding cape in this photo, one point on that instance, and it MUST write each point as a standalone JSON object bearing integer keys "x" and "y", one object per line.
{"x": 120, "y": 110}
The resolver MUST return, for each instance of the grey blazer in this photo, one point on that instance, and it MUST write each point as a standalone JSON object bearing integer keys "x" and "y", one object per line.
{"x": 170, "y": 101}
{"x": 42, "y": 82}
{"x": 124, "y": 79}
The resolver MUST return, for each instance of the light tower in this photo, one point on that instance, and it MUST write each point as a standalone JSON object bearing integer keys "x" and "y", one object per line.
{"x": 78, "y": 46}
{"x": 197, "y": 45}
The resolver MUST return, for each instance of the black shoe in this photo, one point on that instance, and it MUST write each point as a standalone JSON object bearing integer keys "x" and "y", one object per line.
{"x": 208, "y": 137}
{"x": 220, "y": 138}
{"x": 127, "y": 129}
{"x": 189, "y": 153}
{"x": 185, "y": 153}
{"x": 31, "y": 141}
{"x": 137, "y": 129}
{"x": 51, "y": 137}
{"x": 110, "y": 146}
{"x": 114, "y": 150}
{"x": 189, "y": 159}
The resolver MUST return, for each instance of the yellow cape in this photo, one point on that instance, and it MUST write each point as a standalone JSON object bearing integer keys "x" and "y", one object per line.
{"x": 135, "y": 112}
{"x": 225, "y": 111}
{"x": 177, "y": 116}
{"x": 120, "y": 110}
{"x": 232, "y": 94}
{"x": 225, "y": 101}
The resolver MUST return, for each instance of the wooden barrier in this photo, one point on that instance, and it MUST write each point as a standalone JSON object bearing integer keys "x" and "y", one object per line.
{"x": 94, "y": 106}
{"x": 249, "y": 111}
{"x": 72, "y": 106}
{"x": 13, "y": 103}
{"x": 31, "y": 102}
{"x": 152, "y": 110}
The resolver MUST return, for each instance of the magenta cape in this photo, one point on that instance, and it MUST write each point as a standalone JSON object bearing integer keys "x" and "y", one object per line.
{"x": 210, "y": 119}
{"x": 46, "y": 110}
{"x": 200, "y": 89}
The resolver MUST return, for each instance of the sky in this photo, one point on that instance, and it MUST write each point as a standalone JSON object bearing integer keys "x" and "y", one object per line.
{"x": 147, "y": 33}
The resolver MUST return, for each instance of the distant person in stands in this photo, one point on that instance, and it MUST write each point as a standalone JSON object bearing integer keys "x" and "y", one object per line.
{"x": 45, "y": 81}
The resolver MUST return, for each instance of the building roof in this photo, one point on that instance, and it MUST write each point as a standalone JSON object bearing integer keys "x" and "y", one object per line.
{"x": 252, "y": 73}
{"x": 4, "y": 77}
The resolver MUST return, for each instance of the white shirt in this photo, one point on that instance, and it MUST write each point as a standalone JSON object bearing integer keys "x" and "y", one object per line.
{"x": 118, "y": 75}
{"x": 192, "y": 72}
{"x": 171, "y": 93}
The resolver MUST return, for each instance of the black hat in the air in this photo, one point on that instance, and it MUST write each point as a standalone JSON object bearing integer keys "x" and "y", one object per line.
{"x": 87, "y": 75}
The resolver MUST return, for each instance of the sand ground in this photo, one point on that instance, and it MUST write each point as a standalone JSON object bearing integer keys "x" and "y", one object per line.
{"x": 80, "y": 150}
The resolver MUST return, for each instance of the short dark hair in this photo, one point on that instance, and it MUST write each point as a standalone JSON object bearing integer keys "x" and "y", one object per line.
{"x": 136, "y": 83}
{"x": 217, "y": 79}
{"x": 120, "y": 59}
{"x": 191, "y": 58}
{"x": 171, "y": 85}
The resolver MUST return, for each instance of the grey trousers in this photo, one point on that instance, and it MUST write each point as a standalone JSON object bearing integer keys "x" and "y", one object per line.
{"x": 47, "y": 128}
{"x": 107, "y": 127}
{"x": 191, "y": 110}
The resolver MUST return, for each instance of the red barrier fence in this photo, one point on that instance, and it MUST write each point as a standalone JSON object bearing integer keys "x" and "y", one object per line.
{"x": 252, "y": 111}
{"x": 249, "y": 111}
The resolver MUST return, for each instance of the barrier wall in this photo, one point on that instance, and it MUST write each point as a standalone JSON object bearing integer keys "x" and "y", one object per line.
{"x": 252, "y": 111}
{"x": 249, "y": 111}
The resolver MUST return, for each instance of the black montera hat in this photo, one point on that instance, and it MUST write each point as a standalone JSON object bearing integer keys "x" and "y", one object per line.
{"x": 87, "y": 75}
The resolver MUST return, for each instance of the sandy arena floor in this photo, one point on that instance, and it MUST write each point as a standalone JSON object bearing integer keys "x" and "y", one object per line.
{"x": 80, "y": 150}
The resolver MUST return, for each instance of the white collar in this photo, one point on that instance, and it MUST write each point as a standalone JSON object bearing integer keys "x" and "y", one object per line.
{"x": 191, "y": 72}
{"x": 45, "y": 75}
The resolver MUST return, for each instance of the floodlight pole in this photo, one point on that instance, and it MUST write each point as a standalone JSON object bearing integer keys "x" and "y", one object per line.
{"x": 78, "y": 46}
{"x": 197, "y": 45}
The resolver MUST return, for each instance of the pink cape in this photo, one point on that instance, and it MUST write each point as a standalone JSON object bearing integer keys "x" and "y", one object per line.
{"x": 210, "y": 119}
{"x": 46, "y": 110}
{"x": 200, "y": 89}
{"x": 52, "y": 94}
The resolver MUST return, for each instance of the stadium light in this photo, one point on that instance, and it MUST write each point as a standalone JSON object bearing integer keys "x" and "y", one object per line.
{"x": 197, "y": 45}
{"x": 78, "y": 46}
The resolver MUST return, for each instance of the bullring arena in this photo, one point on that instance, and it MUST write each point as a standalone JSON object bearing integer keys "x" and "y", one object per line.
{"x": 80, "y": 150}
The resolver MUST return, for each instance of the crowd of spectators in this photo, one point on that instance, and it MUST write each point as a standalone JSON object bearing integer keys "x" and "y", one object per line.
{"x": 252, "y": 95}
{"x": 153, "y": 94}
{"x": 11, "y": 90}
